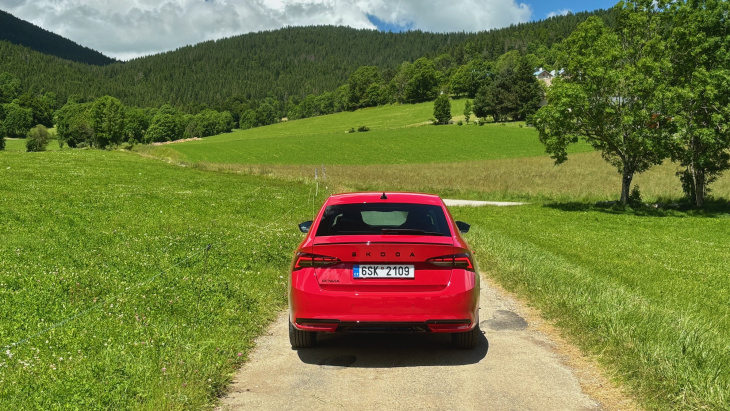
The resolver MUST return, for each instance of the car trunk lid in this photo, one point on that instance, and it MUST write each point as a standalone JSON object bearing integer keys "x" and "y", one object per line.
{"x": 354, "y": 252}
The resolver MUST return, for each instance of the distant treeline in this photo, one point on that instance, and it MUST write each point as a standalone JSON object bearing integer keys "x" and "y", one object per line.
{"x": 100, "y": 123}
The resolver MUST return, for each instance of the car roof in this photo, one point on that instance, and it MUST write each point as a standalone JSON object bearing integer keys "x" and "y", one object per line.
{"x": 391, "y": 197}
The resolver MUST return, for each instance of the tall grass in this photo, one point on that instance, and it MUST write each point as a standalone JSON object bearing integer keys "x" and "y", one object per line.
{"x": 585, "y": 177}
{"x": 109, "y": 296}
{"x": 645, "y": 292}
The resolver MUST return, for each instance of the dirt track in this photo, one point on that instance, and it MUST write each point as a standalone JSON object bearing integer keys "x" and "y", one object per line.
{"x": 514, "y": 367}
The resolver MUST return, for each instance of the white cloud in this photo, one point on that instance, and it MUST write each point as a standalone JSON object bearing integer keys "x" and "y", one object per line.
{"x": 448, "y": 15}
{"x": 127, "y": 29}
{"x": 562, "y": 12}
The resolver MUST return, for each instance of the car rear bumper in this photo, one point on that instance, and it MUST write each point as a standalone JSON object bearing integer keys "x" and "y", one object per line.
{"x": 453, "y": 309}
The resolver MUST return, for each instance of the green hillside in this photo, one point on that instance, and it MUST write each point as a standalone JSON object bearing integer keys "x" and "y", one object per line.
{"x": 399, "y": 134}
{"x": 21, "y": 32}
{"x": 293, "y": 61}
{"x": 290, "y": 61}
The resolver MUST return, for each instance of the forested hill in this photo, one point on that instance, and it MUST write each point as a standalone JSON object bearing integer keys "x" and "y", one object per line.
{"x": 533, "y": 37}
{"x": 21, "y": 32}
{"x": 289, "y": 62}
{"x": 279, "y": 63}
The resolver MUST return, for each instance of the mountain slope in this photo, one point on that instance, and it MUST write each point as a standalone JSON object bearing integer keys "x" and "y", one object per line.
{"x": 21, "y": 32}
{"x": 293, "y": 61}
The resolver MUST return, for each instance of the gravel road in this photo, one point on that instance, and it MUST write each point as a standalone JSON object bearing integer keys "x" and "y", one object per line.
{"x": 515, "y": 367}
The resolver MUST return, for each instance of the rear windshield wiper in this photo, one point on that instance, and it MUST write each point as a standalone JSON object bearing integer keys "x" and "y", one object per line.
{"x": 408, "y": 231}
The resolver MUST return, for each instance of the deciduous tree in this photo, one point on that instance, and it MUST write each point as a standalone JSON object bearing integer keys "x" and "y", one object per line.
{"x": 107, "y": 117}
{"x": 18, "y": 120}
{"x": 37, "y": 138}
{"x": 700, "y": 91}
{"x": 610, "y": 96}
{"x": 73, "y": 124}
{"x": 423, "y": 81}
{"x": 364, "y": 87}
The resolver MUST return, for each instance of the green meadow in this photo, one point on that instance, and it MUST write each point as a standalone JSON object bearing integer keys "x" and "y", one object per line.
{"x": 398, "y": 135}
{"x": 18, "y": 144}
{"x": 111, "y": 298}
{"x": 645, "y": 293}
{"x": 109, "y": 295}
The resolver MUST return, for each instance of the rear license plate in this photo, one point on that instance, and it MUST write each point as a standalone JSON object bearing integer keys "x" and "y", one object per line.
{"x": 383, "y": 271}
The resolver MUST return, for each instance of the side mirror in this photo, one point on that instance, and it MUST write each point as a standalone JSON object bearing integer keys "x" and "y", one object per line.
{"x": 305, "y": 226}
{"x": 463, "y": 227}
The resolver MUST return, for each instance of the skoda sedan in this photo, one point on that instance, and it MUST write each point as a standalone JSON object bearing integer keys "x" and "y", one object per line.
{"x": 383, "y": 262}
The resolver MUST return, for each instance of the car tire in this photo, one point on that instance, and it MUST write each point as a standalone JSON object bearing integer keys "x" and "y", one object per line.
{"x": 466, "y": 340}
{"x": 301, "y": 339}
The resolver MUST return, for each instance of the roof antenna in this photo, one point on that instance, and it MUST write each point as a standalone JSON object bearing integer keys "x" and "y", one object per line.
{"x": 383, "y": 197}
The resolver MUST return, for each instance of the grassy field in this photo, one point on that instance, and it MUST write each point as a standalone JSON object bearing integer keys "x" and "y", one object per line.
{"x": 585, "y": 177}
{"x": 397, "y": 136}
{"x": 402, "y": 152}
{"x": 18, "y": 144}
{"x": 645, "y": 292}
{"x": 108, "y": 297}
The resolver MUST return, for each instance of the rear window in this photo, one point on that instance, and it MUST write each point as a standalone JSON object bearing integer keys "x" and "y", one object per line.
{"x": 380, "y": 218}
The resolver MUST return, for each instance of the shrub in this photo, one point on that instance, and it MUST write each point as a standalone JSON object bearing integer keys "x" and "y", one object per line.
{"x": 635, "y": 196}
{"x": 37, "y": 139}
{"x": 442, "y": 109}
{"x": 363, "y": 129}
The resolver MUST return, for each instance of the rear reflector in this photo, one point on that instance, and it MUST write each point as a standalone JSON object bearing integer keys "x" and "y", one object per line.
{"x": 441, "y": 326}
{"x": 306, "y": 260}
{"x": 316, "y": 324}
{"x": 462, "y": 260}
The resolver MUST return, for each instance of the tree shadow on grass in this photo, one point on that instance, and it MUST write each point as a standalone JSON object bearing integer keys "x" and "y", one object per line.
{"x": 714, "y": 208}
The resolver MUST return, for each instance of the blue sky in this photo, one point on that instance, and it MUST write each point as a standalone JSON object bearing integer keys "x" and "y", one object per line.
{"x": 540, "y": 10}
{"x": 132, "y": 28}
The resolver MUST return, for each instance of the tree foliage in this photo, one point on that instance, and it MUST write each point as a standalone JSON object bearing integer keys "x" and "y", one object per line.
{"x": 699, "y": 84}
{"x": 442, "y": 109}
{"x": 107, "y": 118}
{"x": 37, "y": 139}
{"x": 166, "y": 125}
{"x": 73, "y": 124}
{"x": 292, "y": 61}
{"x": 610, "y": 95}
{"x": 9, "y": 88}
{"x": 364, "y": 87}
{"x": 421, "y": 81}
{"x": 17, "y": 120}
{"x": 467, "y": 110}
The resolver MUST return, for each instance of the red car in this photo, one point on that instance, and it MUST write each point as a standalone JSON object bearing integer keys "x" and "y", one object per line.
{"x": 382, "y": 262}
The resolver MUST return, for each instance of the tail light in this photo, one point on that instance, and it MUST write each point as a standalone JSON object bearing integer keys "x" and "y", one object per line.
{"x": 462, "y": 260}
{"x": 306, "y": 260}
